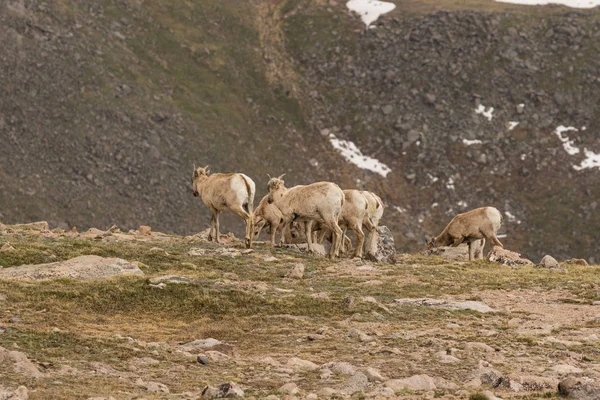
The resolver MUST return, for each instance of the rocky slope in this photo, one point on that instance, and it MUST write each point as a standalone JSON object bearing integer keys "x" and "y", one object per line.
{"x": 108, "y": 105}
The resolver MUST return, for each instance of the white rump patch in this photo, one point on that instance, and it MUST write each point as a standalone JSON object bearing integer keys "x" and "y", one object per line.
{"x": 352, "y": 154}
{"x": 370, "y": 10}
{"x": 486, "y": 113}
{"x": 568, "y": 3}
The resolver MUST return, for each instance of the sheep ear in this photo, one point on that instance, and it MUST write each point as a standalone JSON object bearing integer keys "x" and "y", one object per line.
{"x": 281, "y": 176}
{"x": 195, "y": 172}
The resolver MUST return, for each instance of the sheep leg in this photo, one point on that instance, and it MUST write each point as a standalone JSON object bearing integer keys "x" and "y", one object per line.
{"x": 322, "y": 235}
{"x": 473, "y": 244}
{"x": 479, "y": 252}
{"x": 336, "y": 231}
{"x": 495, "y": 241}
{"x": 213, "y": 219}
{"x": 273, "y": 232}
{"x": 249, "y": 223}
{"x": 360, "y": 238}
{"x": 308, "y": 234}
{"x": 456, "y": 241}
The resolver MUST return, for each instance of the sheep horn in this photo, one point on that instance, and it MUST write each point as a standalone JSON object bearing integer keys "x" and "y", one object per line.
{"x": 281, "y": 176}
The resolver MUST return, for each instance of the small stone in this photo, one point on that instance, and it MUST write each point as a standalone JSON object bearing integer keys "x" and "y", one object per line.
{"x": 415, "y": 382}
{"x": 357, "y": 383}
{"x": 299, "y": 364}
{"x": 297, "y": 271}
{"x": 387, "y": 110}
{"x": 289, "y": 388}
{"x": 202, "y": 360}
{"x": 6, "y": 247}
{"x": 145, "y": 230}
{"x": 549, "y": 262}
{"x": 373, "y": 375}
{"x": 446, "y": 358}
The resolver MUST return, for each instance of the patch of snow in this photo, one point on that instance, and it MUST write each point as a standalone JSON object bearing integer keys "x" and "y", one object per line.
{"x": 512, "y": 125}
{"x": 568, "y": 3}
{"x": 434, "y": 179}
{"x": 399, "y": 209}
{"x": 502, "y": 236}
{"x": 370, "y": 10}
{"x": 352, "y": 154}
{"x": 434, "y": 205}
{"x": 486, "y": 113}
{"x": 592, "y": 160}
{"x": 523, "y": 157}
{"x": 583, "y": 128}
{"x": 511, "y": 217}
{"x": 450, "y": 184}
{"x": 568, "y": 145}
{"x": 462, "y": 204}
{"x": 522, "y": 105}
{"x": 471, "y": 142}
{"x": 420, "y": 220}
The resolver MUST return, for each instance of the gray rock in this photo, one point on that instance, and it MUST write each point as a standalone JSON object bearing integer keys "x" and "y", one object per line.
{"x": 387, "y": 109}
{"x": 82, "y": 267}
{"x": 297, "y": 271}
{"x": 579, "y": 388}
{"x": 170, "y": 279}
{"x": 21, "y": 364}
{"x": 381, "y": 246}
{"x": 373, "y": 375}
{"x": 289, "y": 388}
{"x": 549, "y": 262}
{"x": 225, "y": 390}
{"x": 507, "y": 257}
{"x": 357, "y": 383}
{"x": 202, "y": 360}
{"x": 446, "y": 304}
{"x": 415, "y": 382}
{"x": 20, "y": 393}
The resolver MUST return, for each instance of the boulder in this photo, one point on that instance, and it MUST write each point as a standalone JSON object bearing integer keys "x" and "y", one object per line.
{"x": 446, "y": 304}
{"x": 20, "y": 393}
{"x": 577, "y": 261}
{"x": 82, "y": 267}
{"x": 507, "y": 257}
{"x": 225, "y": 390}
{"x": 415, "y": 382}
{"x": 381, "y": 246}
{"x": 297, "y": 271}
{"x": 20, "y": 363}
{"x": 579, "y": 388}
{"x": 549, "y": 262}
{"x": 458, "y": 253}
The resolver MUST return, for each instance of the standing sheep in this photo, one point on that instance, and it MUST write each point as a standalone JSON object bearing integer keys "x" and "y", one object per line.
{"x": 472, "y": 227}
{"x": 267, "y": 214}
{"x": 374, "y": 214}
{"x": 222, "y": 192}
{"x": 321, "y": 201}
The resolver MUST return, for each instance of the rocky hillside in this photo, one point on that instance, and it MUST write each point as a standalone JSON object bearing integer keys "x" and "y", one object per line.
{"x": 108, "y": 105}
{"x": 143, "y": 314}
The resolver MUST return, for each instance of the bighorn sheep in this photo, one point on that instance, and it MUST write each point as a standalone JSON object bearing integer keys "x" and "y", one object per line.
{"x": 222, "y": 192}
{"x": 267, "y": 214}
{"x": 353, "y": 214}
{"x": 374, "y": 214}
{"x": 320, "y": 201}
{"x": 472, "y": 227}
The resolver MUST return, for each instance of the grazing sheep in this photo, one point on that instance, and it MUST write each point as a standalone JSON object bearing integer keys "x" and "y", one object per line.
{"x": 374, "y": 214}
{"x": 267, "y": 214}
{"x": 222, "y": 192}
{"x": 353, "y": 214}
{"x": 321, "y": 202}
{"x": 472, "y": 227}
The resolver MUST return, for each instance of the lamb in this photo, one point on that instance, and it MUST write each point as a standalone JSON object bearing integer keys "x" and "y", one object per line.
{"x": 320, "y": 201}
{"x": 221, "y": 192}
{"x": 472, "y": 227}
{"x": 267, "y": 214}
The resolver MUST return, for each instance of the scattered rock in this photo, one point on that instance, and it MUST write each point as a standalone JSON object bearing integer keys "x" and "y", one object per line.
{"x": 357, "y": 383}
{"x": 480, "y": 346}
{"x": 21, "y": 393}
{"x": 300, "y": 365}
{"x": 490, "y": 396}
{"x": 549, "y": 262}
{"x": 297, "y": 271}
{"x": 6, "y": 247}
{"x": 145, "y": 230}
{"x": 82, "y": 267}
{"x": 289, "y": 388}
{"x": 21, "y": 363}
{"x": 170, "y": 279}
{"x": 507, "y": 257}
{"x": 415, "y": 382}
{"x": 41, "y": 226}
{"x": 270, "y": 259}
{"x": 343, "y": 368}
{"x": 357, "y": 333}
{"x": 225, "y": 390}
{"x": 373, "y": 375}
{"x": 202, "y": 360}
{"x": 579, "y": 388}
{"x": 446, "y": 358}
{"x": 577, "y": 261}
{"x": 459, "y": 253}
{"x": 446, "y": 304}
{"x": 565, "y": 369}
{"x": 381, "y": 247}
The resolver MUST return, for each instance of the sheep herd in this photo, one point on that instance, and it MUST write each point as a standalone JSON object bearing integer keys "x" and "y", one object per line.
{"x": 323, "y": 209}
